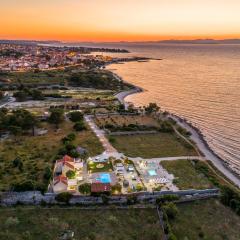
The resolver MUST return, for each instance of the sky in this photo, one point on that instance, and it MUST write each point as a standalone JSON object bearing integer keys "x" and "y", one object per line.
{"x": 119, "y": 20}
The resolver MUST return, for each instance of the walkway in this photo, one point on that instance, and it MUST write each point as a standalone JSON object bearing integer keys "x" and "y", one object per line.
{"x": 109, "y": 149}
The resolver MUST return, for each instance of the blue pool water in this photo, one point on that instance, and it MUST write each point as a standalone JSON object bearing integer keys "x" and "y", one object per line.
{"x": 152, "y": 172}
{"x": 104, "y": 178}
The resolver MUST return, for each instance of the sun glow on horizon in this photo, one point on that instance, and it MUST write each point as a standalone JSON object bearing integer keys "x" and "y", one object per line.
{"x": 125, "y": 20}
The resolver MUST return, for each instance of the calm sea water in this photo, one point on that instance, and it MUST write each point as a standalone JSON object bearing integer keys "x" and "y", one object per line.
{"x": 198, "y": 82}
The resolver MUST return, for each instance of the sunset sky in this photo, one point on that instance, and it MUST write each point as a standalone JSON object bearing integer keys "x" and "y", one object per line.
{"x": 119, "y": 20}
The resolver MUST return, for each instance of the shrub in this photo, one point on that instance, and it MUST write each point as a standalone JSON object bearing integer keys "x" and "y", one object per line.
{"x": 85, "y": 188}
{"x": 47, "y": 173}
{"x": 112, "y": 139}
{"x": 64, "y": 197}
{"x": 23, "y": 186}
{"x": 17, "y": 162}
{"x": 71, "y": 174}
{"x": 139, "y": 187}
{"x": 131, "y": 200}
{"x": 105, "y": 199}
{"x": 166, "y": 198}
{"x": 171, "y": 236}
{"x": 166, "y": 127}
{"x": 11, "y": 221}
{"x": 117, "y": 188}
{"x": 79, "y": 126}
{"x": 171, "y": 210}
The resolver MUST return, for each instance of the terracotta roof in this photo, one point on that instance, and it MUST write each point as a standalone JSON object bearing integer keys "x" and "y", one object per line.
{"x": 69, "y": 165}
{"x": 60, "y": 178}
{"x": 100, "y": 187}
{"x": 67, "y": 158}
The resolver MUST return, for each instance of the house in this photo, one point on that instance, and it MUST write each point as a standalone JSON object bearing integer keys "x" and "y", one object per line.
{"x": 97, "y": 188}
{"x": 68, "y": 163}
{"x": 60, "y": 184}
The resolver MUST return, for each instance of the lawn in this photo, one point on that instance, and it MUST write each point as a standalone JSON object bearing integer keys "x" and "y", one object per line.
{"x": 106, "y": 167}
{"x": 43, "y": 224}
{"x": 186, "y": 175}
{"x": 207, "y": 219}
{"x": 37, "y": 153}
{"x": 152, "y": 145}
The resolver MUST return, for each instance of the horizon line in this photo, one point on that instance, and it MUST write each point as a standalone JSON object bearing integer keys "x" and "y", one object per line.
{"x": 122, "y": 41}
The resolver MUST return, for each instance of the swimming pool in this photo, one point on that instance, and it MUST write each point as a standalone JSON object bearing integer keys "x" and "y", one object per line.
{"x": 104, "y": 178}
{"x": 152, "y": 172}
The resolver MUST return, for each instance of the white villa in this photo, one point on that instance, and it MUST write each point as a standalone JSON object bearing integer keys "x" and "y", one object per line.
{"x": 61, "y": 182}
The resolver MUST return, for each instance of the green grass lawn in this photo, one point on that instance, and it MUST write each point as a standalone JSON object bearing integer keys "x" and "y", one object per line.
{"x": 152, "y": 145}
{"x": 208, "y": 220}
{"x": 43, "y": 224}
{"x": 39, "y": 152}
{"x": 186, "y": 175}
{"x": 106, "y": 168}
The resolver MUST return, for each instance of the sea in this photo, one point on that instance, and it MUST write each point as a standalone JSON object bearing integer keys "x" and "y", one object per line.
{"x": 198, "y": 82}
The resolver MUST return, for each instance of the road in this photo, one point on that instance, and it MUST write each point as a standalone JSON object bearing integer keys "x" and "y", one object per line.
{"x": 9, "y": 100}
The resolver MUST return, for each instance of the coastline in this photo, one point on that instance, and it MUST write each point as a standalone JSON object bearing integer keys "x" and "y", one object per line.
{"x": 196, "y": 136}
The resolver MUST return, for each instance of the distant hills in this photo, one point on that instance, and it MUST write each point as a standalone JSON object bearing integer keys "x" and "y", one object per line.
{"x": 171, "y": 41}
{"x": 29, "y": 42}
{"x": 203, "y": 41}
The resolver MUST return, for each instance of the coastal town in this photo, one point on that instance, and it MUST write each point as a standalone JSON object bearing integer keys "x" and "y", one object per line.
{"x": 68, "y": 137}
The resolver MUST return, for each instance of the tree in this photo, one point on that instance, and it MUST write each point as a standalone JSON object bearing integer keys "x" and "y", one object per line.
{"x": 17, "y": 162}
{"x": 76, "y": 116}
{"x": 21, "y": 96}
{"x": 20, "y": 120}
{"x": 56, "y": 117}
{"x": 16, "y": 131}
{"x": 151, "y": 108}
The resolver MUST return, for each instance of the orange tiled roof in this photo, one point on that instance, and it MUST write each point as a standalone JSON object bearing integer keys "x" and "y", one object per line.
{"x": 69, "y": 165}
{"x": 60, "y": 178}
{"x": 67, "y": 158}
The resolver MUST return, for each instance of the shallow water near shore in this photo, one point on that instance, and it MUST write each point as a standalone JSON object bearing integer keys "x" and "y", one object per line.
{"x": 198, "y": 82}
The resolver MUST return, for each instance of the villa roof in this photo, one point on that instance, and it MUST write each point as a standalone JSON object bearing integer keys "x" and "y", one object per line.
{"x": 59, "y": 179}
{"x": 100, "y": 187}
{"x": 69, "y": 165}
{"x": 67, "y": 158}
